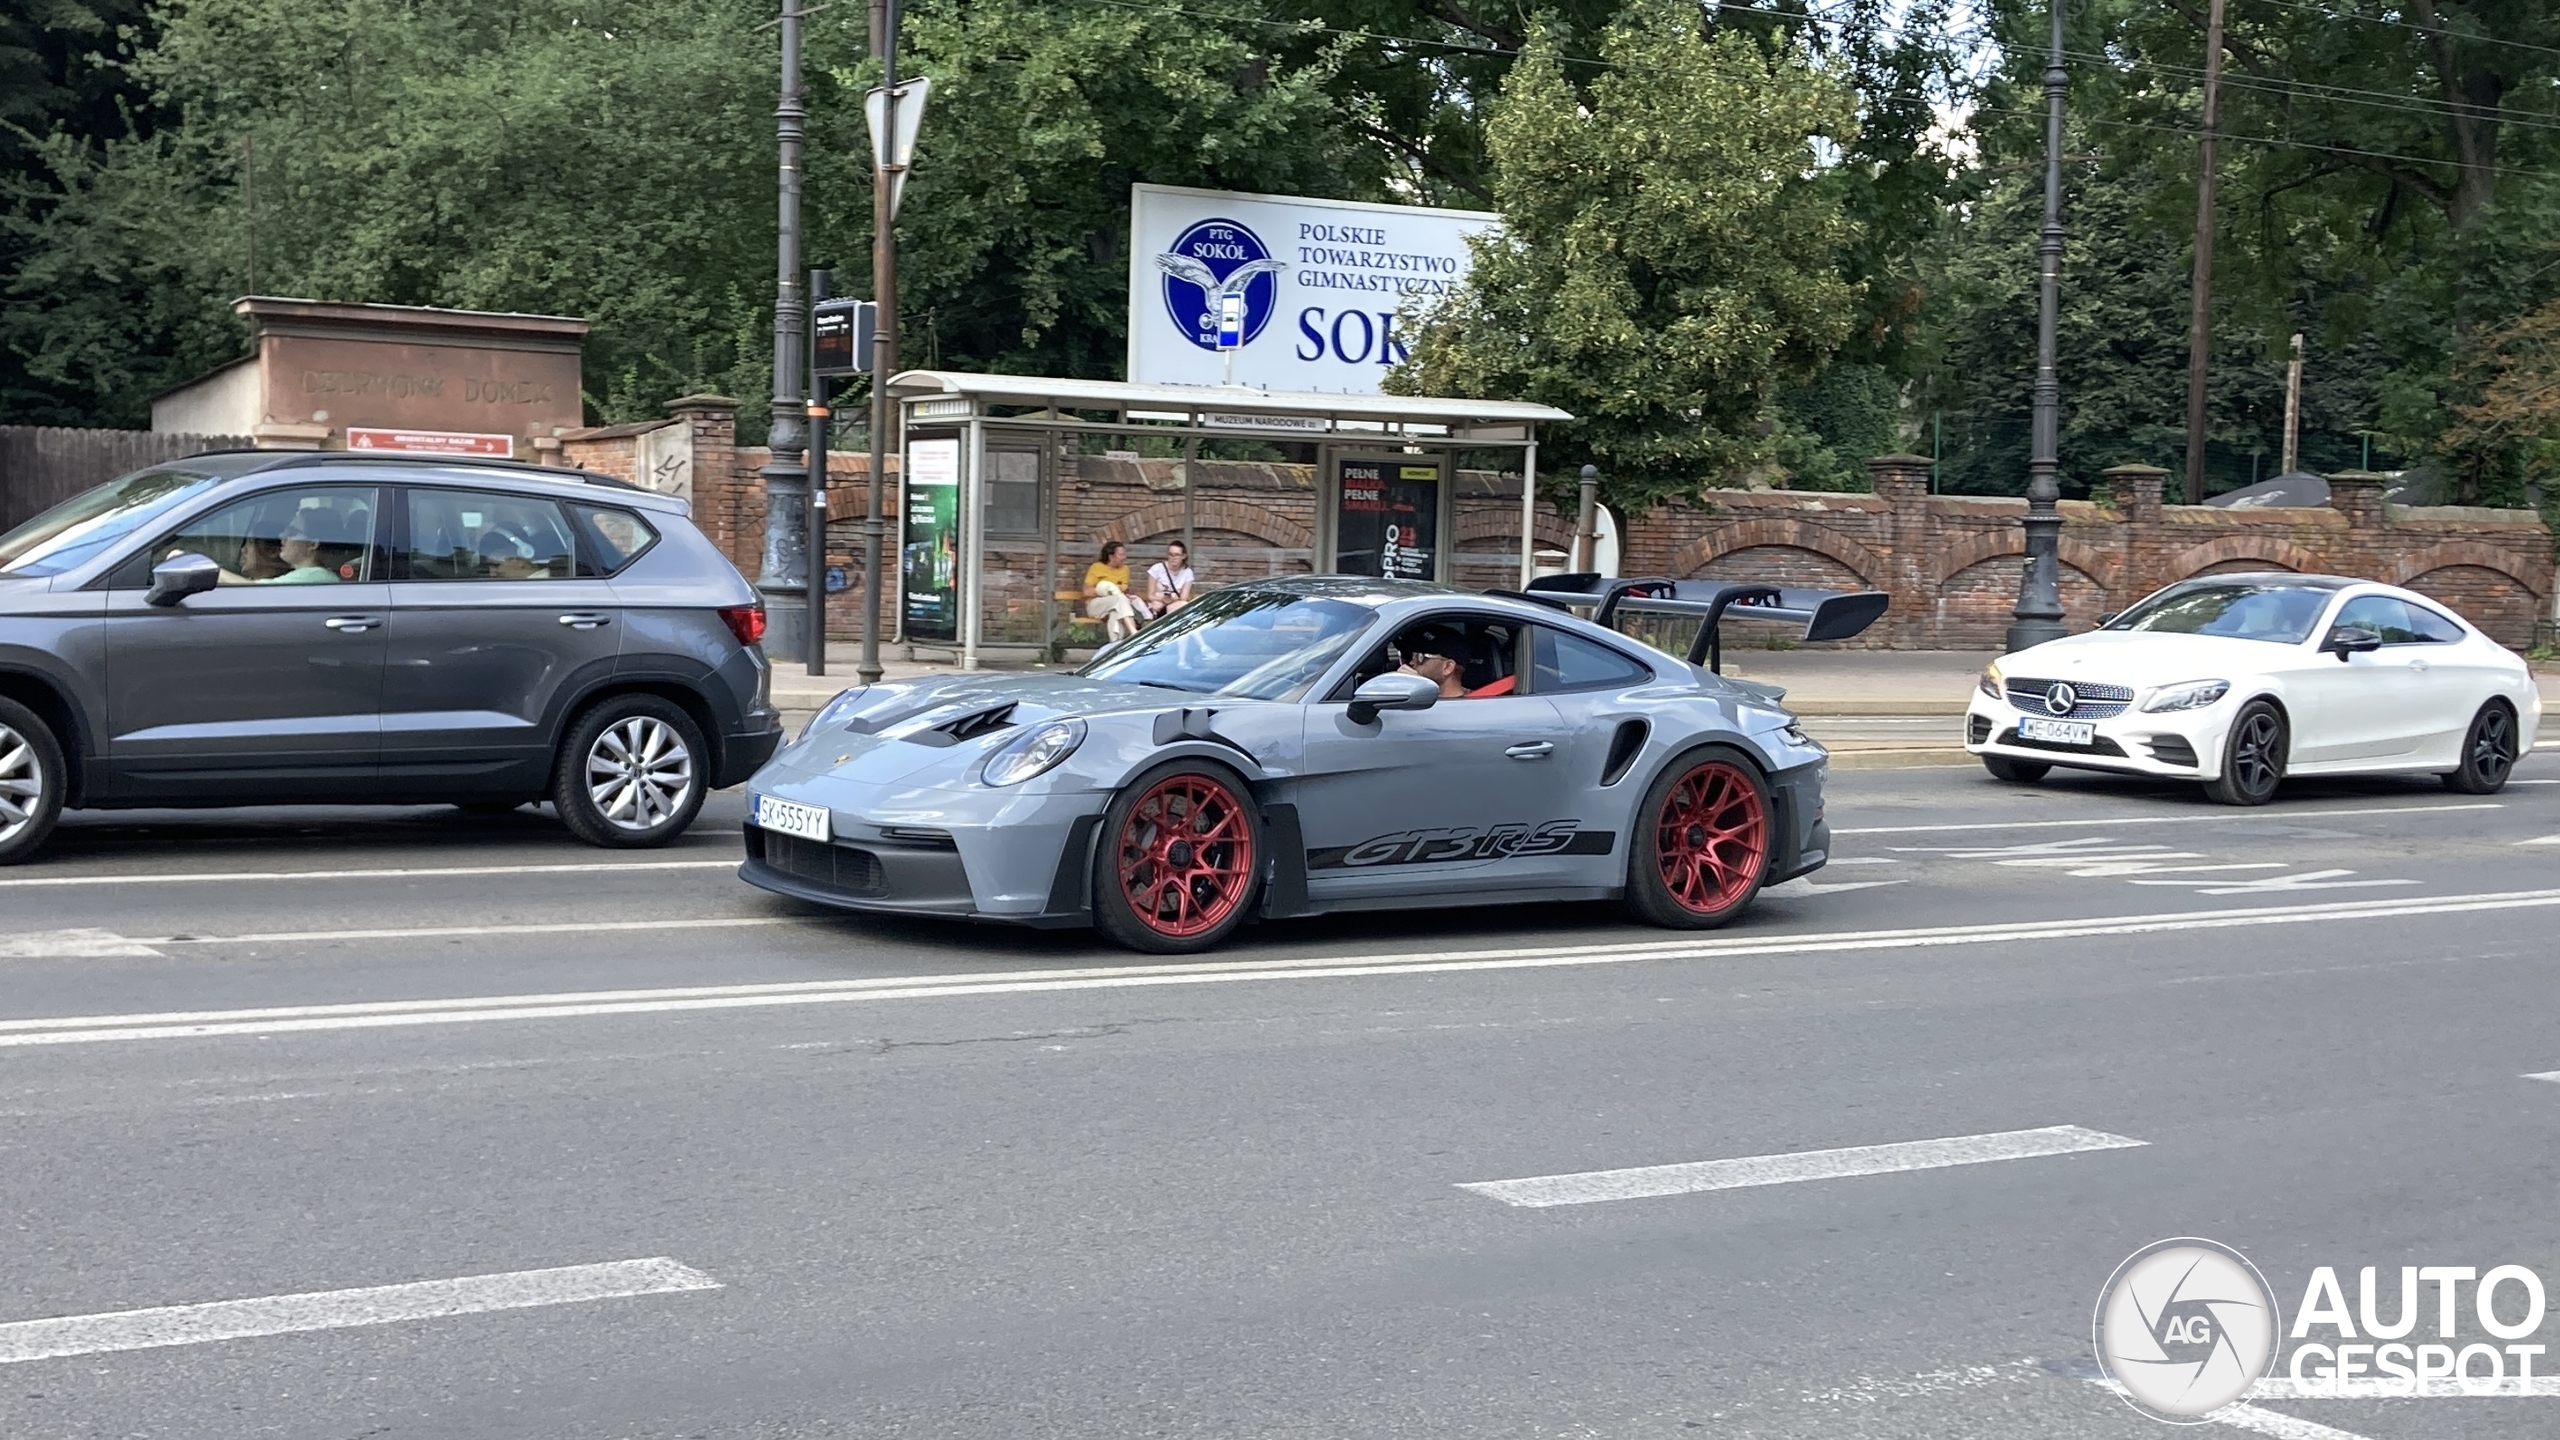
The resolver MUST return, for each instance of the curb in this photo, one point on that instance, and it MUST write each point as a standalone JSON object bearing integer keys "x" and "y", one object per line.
{"x": 1911, "y": 759}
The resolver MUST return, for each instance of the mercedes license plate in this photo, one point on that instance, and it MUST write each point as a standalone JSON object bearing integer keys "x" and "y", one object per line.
{"x": 2059, "y": 732}
{"x": 809, "y": 822}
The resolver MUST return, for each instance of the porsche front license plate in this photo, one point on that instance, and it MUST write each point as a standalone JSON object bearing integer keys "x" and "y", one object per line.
{"x": 809, "y": 822}
{"x": 2059, "y": 732}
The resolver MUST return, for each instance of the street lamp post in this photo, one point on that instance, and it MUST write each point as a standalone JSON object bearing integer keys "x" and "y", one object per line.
{"x": 2038, "y": 617}
{"x": 884, "y": 335}
{"x": 784, "y": 577}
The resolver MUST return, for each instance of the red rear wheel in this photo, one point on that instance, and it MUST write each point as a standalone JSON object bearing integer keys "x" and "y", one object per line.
{"x": 1704, "y": 848}
{"x": 1179, "y": 867}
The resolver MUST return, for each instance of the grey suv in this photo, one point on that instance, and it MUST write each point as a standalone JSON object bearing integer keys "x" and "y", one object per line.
{"x": 263, "y": 628}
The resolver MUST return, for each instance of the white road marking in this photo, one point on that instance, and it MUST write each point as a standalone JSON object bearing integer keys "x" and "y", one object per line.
{"x": 1647, "y": 1182}
{"x": 2544, "y": 840}
{"x": 71, "y": 945}
{"x": 2220, "y": 814}
{"x": 2277, "y": 1425}
{"x": 2271, "y": 884}
{"x": 339, "y": 1309}
{"x": 213, "y": 877}
{"x": 430, "y": 932}
{"x": 2551, "y": 1075}
{"x": 2242, "y": 1416}
{"x": 1805, "y": 886}
{"x": 85, "y": 1029}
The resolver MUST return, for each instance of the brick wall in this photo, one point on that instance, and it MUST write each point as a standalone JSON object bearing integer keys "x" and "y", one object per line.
{"x": 1951, "y": 563}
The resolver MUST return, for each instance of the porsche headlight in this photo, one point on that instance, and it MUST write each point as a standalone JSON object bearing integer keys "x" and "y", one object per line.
{"x": 1034, "y": 752}
{"x": 844, "y": 704}
{"x": 2190, "y": 695}
{"x": 1989, "y": 684}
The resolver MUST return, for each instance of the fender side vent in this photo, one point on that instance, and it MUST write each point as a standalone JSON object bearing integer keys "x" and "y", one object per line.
{"x": 1623, "y": 749}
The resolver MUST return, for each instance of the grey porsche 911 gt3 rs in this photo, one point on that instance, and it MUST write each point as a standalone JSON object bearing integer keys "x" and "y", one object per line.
{"x": 1293, "y": 747}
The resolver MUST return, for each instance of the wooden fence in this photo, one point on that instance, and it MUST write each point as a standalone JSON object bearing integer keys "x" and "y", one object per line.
{"x": 43, "y": 465}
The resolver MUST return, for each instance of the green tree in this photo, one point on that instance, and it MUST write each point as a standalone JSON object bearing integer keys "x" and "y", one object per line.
{"x": 1660, "y": 277}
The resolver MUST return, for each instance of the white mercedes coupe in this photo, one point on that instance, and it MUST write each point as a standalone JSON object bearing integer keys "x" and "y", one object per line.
{"x": 2241, "y": 680}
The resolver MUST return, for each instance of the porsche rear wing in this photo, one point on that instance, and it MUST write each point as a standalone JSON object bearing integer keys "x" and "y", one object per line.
{"x": 1825, "y": 614}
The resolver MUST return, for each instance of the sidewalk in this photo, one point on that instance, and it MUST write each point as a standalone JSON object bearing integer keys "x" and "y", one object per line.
{"x": 1875, "y": 709}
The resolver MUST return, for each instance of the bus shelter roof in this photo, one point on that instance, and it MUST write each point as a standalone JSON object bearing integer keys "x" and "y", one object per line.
{"x": 1231, "y": 406}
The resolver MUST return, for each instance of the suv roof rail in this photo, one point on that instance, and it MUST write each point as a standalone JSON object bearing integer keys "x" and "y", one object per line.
{"x": 297, "y": 459}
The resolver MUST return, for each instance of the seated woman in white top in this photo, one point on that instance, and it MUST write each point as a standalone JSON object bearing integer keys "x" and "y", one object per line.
{"x": 1169, "y": 580}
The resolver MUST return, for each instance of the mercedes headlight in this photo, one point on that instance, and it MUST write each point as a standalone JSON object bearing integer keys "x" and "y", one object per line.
{"x": 1035, "y": 752}
{"x": 1989, "y": 684}
{"x": 2192, "y": 695}
{"x": 844, "y": 704}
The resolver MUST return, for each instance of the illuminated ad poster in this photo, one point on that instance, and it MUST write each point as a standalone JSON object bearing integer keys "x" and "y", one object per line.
{"x": 1389, "y": 521}
{"x": 1329, "y": 287}
{"x": 931, "y": 554}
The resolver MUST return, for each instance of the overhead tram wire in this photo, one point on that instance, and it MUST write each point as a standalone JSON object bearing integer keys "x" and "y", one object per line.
{"x": 2461, "y": 35}
{"x": 2333, "y": 94}
{"x": 2271, "y": 141}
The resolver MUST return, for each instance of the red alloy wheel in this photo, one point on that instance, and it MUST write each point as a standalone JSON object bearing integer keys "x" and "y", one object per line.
{"x": 1186, "y": 855}
{"x": 1711, "y": 838}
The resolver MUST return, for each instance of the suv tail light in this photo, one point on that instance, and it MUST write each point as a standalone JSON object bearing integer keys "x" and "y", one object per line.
{"x": 744, "y": 621}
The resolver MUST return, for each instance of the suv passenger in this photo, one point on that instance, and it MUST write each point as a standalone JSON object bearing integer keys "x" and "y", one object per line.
{"x": 260, "y": 628}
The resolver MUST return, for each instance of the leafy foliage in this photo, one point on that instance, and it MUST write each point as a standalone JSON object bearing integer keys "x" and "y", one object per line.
{"x": 1660, "y": 278}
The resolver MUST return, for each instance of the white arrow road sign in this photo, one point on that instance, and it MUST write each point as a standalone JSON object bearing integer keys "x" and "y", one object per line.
{"x": 892, "y": 153}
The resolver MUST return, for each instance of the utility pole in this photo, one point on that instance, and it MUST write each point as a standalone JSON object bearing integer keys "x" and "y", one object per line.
{"x": 1586, "y": 539}
{"x": 2038, "y": 617}
{"x": 884, "y": 335}
{"x": 2200, "y": 322}
{"x": 821, "y": 287}
{"x": 784, "y": 578}
{"x": 2292, "y": 407}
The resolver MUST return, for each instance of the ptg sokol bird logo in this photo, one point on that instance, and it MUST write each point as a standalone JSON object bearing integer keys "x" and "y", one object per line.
{"x": 1211, "y": 260}
{"x": 2185, "y": 1327}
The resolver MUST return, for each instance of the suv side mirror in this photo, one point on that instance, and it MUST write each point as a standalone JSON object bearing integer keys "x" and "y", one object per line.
{"x": 2349, "y": 640}
{"x": 180, "y": 576}
{"x": 1394, "y": 690}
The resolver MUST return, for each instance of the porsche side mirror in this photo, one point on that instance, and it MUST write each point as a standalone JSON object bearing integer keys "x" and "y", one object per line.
{"x": 2349, "y": 640}
{"x": 180, "y": 576}
{"x": 1392, "y": 691}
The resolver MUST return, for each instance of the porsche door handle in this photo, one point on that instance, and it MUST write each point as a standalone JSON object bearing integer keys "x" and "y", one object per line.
{"x": 1533, "y": 750}
{"x": 585, "y": 622}
{"x": 352, "y": 624}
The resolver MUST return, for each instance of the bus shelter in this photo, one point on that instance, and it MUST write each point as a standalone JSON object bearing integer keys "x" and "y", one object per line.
{"x": 1011, "y": 483}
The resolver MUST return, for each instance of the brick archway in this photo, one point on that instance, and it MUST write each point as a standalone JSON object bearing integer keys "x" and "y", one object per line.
{"x": 2281, "y": 554}
{"x": 1693, "y": 557}
{"x": 2460, "y": 552}
{"x": 1552, "y": 529}
{"x": 1164, "y": 517}
{"x": 2103, "y": 570}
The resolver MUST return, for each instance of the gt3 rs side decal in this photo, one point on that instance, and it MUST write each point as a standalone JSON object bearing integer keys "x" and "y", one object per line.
{"x": 1464, "y": 843}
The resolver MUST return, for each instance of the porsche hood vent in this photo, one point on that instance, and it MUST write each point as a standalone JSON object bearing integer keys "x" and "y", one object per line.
{"x": 967, "y": 727}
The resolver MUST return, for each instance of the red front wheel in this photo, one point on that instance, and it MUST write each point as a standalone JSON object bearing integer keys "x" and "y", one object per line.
{"x": 1180, "y": 859}
{"x": 1702, "y": 842}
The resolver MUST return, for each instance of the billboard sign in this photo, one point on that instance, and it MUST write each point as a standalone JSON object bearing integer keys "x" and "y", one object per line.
{"x": 1301, "y": 294}
{"x": 931, "y": 553}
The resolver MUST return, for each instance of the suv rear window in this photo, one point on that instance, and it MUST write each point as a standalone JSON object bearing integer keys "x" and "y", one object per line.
{"x": 485, "y": 535}
{"x": 613, "y": 537}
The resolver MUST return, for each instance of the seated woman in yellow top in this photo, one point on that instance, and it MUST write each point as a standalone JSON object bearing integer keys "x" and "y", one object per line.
{"x": 1106, "y": 593}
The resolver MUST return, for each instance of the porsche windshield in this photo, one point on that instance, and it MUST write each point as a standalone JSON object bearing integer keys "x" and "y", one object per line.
{"x": 77, "y": 529}
{"x": 1248, "y": 643}
{"x": 2282, "y": 614}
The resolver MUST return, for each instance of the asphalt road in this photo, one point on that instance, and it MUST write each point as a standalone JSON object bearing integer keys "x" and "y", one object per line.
{"x": 918, "y": 1180}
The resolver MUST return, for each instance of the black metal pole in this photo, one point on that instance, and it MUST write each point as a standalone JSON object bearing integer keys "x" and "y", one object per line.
{"x": 821, "y": 287}
{"x": 2038, "y": 617}
{"x": 783, "y": 579}
{"x": 884, "y": 342}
